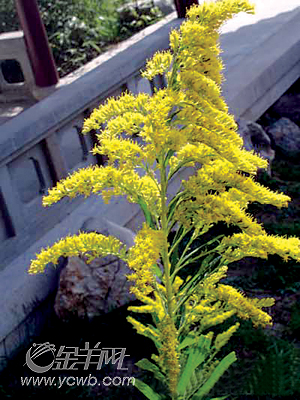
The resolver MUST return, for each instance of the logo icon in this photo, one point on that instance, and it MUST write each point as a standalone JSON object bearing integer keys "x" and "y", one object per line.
{"x": 37, "y": 351}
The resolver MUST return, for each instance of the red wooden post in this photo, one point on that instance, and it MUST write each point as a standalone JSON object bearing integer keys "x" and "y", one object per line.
{"x": 182, "y": 6}
{"x": 39, "y": 51}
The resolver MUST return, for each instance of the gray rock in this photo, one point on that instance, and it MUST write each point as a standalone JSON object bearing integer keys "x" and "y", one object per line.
{"x": 89, "y": 290}
{"x": 255, "y": 138}
{"x": 286, "y": 136}
{"x": 288, "y": 106}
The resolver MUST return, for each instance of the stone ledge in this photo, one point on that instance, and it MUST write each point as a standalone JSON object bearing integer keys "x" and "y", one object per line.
{"x": 266, "y": 72}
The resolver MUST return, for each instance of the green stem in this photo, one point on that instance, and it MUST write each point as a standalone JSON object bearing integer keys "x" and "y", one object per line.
{"x": 178, "y": 240}
{"x": 191, "y": 260}
{"x": 164, "y": 227}
{"x": 193, "y": 282}
{"x": 184, "y": 260}
{"x": 186, "y": 249}
{"x": 180, "y": 165}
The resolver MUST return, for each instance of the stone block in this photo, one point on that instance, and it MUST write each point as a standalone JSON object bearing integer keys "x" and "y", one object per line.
{"x": 89, "y": 290}
{"x": 75, "y": 147}
{"x": 13, "y": 47}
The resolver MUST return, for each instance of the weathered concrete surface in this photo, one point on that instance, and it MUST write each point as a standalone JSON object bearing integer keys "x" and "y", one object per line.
{"x": 261, "y": 55}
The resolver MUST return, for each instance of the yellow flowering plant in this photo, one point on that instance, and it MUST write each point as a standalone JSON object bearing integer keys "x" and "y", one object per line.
{"x": 148, "y": 139}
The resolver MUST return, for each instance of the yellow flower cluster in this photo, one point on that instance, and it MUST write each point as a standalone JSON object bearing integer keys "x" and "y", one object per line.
{"x": 218, "y": 175}
{"x": 158, "y": 65}
{"x": 141, "y": 259}
{"x": 142, "y": 329}
{"x": 166, "y": 340}
{"x": 190, "y": 154}
{"x": 213, "y": 14}
{"x": 219, "y": 193}
{"x": 90, "y": 244}
{"x": 223, "y": 338}
{"x": 243, "y": 245}
{"x": 125, "y": 152}
{"x": 155, "y": 307}
{"x": 213, "y": 303}
{"x": 108, "y": 181}
{"x": 244, "y": 308}
{"x": 234, "y": 301}
{"x": 159, "y": 131}
{"x": 189, "y": 113}
{"x": 129, "y": 122}
{"x": 115, "y": 107}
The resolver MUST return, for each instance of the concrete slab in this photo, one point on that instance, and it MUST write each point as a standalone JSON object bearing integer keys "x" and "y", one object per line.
{"x": 261, "y": 54}
{"x": 12, "y": 109}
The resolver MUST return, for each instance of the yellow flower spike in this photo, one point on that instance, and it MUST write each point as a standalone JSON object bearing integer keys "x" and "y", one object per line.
{"x": 152, "y": 306}
{"x": 109, "y": 181}
{"x": 114, "y": 107}
{"x": 168, "y": 353}
{"x": 215, "y": 277}
{"x": 125, "y": 151}
{"x": 223, "y": 338}
{"x": 245, "y": 308}
{"x": 174, "y": 40}
{"x": 242, "y": 245}
{"x": 221, "y": 173}
{"x": 214, "y": 14}
{"x": 142, "y": 329}
{"x": 142, "y": 256}
{"x": 212, "y": 320}
{"x": 162, "y": 288}
{"x": 158, "y": 65}
{"x": 93, "y": 244}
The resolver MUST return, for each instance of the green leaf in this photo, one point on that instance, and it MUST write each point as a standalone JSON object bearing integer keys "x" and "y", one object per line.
{"x": 173, "y": 204}
{"x": 196, "y": 357}
{"x": 146, "y": 390}
{"x": 146, "y": 212}
{"x": 187, "y": 341}
{"x": 91, "y": 43}
{"x": 215, "y": 376}
{"x": 149, "y": 366}
{"x": 157, "y": 271}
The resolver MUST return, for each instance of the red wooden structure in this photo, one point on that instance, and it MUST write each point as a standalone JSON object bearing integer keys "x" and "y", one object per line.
{"x": 182, "y": 6}
{"x": 39, "y": 52}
